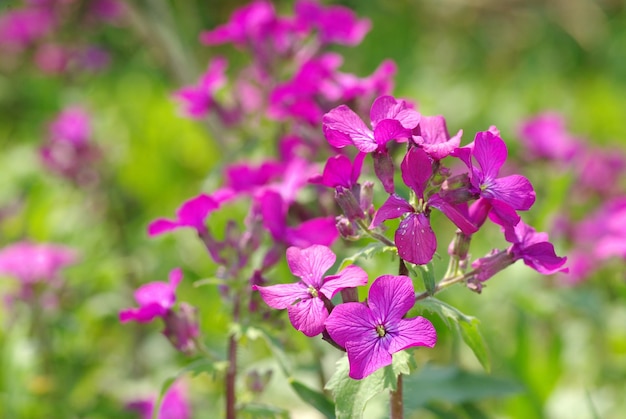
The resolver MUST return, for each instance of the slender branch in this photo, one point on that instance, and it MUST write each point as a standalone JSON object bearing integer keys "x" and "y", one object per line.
{"x": 396, "y": 403}
{"x": 375, "y": 235}
{"x": 445, "y": 283}
{"x": 231, "y": 372}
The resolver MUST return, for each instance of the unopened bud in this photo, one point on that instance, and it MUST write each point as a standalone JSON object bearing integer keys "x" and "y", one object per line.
{"x": 346, "y": 228}
{"x": 348, "y": 203}
{"x": 457, "y": 189}
{"x": 181, "y": 328}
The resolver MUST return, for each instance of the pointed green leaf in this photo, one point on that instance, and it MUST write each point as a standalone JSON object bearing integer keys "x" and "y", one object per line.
{"x": 367, "y": 252}
{"x": 427, "y": 275}
{"x": 314, "y": 398}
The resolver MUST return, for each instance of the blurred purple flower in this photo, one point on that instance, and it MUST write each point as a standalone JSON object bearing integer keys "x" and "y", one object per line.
{"x": 155, "y": 299}
{"x": 198, "y": 100}
{"x": 192, "y": 213}
{"x": 22, "y": 27}
{"x": 414, "y": 237}
{"x": 372, "y": 333}
{"x": 306, "y": 301}
{"x": 432, "y": 135}
{"x": 335, "y": 24}
{"x": 29, "y": 262}
{"x": 505, "y": 194}
{"x": 545, "y": 136}
{"x": 390, "y": 118}
{"x": 52, "y": 58}
{"x": 175, "y": 404}
{"x": 600, "y": 170}
{"x": 72, "y": 125}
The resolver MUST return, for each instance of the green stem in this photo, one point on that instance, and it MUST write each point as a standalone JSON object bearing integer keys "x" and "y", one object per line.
{"x": 445, "y": 283}
{"x": 375, "y": 235}
{"x": 396, "y": 403}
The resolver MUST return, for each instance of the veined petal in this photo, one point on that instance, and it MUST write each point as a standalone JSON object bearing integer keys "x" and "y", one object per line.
{"x": 542, "y": 258}
{"x": 350, "y": 321}
{"x": 394, "y": 207}
{"x": 367, "y": 356}
{"x": 387, "y": 107}
{"x": 490, "y": 153}
{"x": 416, "y": 169}
{"x": 390, "y": 298}
{"x": 515, "y": 190}
{"x": 282, "y": 296}
{"x": 338, "y": 172}
{"x": 339, "y": 139}
{"x": 351, "y": 276}
{"x": 311, "y": 263}
{"x": 504, "y": 212}
{"x": 417, "y": 331}
{"x": 459, "y": 218}
{"x": 387, "y": 130}
{"x": 346, "y": 121}
{"x": 415, "y": 239}
{"x": 308, "y": 316}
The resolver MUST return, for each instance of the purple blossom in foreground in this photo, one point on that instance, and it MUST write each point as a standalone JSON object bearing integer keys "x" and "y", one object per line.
{"x": 505, "y": 194}
{"x": 432, "y": 135}
{"x": 198, "y": 100}
{"x": 174, "y": 405}
{"x": 30, "y": 262}
{"x": 191, "y": 213}
{"x": 340, "y": 171}
{"x": 155, "y": 299}
{"x": 372, "y": 333}
{"x": 306, "y": 301}
{"x": 528, "y": 245}
{"x": 390, "y": 119}
{"x": 414, "y": 237}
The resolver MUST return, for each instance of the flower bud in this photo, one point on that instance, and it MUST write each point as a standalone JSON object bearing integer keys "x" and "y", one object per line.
{"x": 456, "y": 189}
{"x": 181, "y": 328}
{"x": 348, "y": 203}
{"x": 383, "y": 167}
{"x": 346, "y": 228}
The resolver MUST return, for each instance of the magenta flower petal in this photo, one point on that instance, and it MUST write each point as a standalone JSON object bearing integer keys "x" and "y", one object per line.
{"x": 308, "y": 316}
{"x": 416, "y": 170}
{"x": 415, "y": 239}
{"x": 321, "y": 231}
{"x": 161, "y": 226}
{"x": 515, "y": 190}
{"x": 391, "y": 296}
{"x": 347, "y": 122}
{"x": 388, "y": 107}
{"x": 413, "y": 332}
{"x": 191, "y": 213}
{"x": 367, "y": 356}
{"x": 310, "y": 264}
{"x": 490, "y": 153}
{"x": 454, "y": 213}
{"x": 350, "y": 277}
{"x": 542, "y": 258}
{"x": 282, "y": 296}
{"x": 349, "y": 320}
{"x": 387, "y": 130}
{"x": 143, "y": 314}
{"x": 394, "y": 207}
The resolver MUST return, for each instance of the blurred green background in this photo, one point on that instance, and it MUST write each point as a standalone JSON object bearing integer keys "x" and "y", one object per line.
{"x": 562, "y": 350}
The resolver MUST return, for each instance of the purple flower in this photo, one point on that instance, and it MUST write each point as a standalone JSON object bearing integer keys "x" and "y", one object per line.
{"x": 306, "y": 301}
{"x": 173, "y": 406}
{"x": 21, "y": 27}
{"x": 506, "y": 194}
{"x": 432, "y": 135}
{"x": 29, "y": 262}
{"x": 390, "y": 118}
{"x": 155, "y": 299}
{"x": 600, "y": 170}
{"x": 192, "y": 213}
{"x": 340, "y": 171}
{"x": 198, "y": 100}
{"x": 72, "y": 125}
{"x": 335, "y": 24}
{"x": 545, "y": 136}
{"x": 414, "y": 237}
{"x": 372, "y": 333}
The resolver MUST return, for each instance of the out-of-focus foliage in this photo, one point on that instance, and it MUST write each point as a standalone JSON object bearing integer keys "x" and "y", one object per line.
{"x": 559, "y": 349}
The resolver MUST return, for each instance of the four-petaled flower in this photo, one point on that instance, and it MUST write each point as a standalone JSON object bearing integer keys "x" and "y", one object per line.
{"x": 372, "y": 333}
{"x": 306, "y": 301}
{"x": 506, "y": 194}
{"x": 155, "y": 299}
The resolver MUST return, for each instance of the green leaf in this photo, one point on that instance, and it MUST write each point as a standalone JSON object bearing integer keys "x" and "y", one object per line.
{"x": 427, "y": 274}
{"x": 466, "y": 325}
{"x": 314, "y": 398}
{"x": 274, "y": 346}
{"x": 367, "y": 252}
{"x": 351, "y": 396}
{"x": 450, "y": 384}
{"x": 473, "y": 338}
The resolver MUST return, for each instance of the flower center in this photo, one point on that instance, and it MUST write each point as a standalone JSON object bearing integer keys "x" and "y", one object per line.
{"x": 380, "y": 329}
{"x": 312, "y": 291}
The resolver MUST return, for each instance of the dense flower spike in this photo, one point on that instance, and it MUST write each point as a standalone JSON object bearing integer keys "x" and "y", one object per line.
{"x": 414, "y": 237}
{"x": 192, "y": 213}
{"x": 306, "y": 301}
{"x": 155, "y": 299}
{"x": 372, "y": 333}
{"x": 506, "y": 194}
